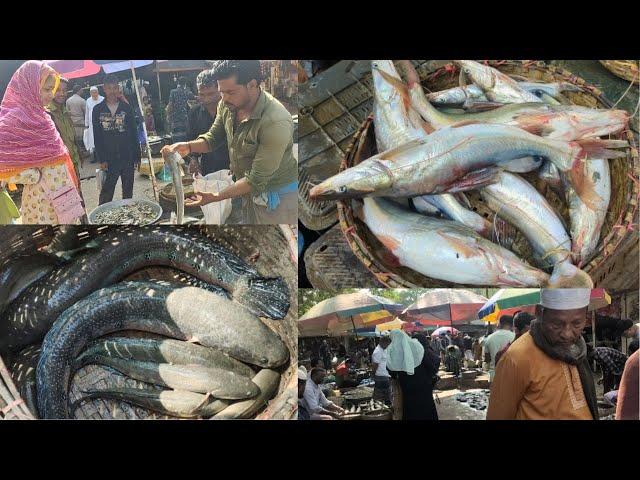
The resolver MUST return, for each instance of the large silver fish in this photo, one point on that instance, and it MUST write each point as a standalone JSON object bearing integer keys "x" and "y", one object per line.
{"x": 461, "y": 157}
{"x": 460, "y": 95}
{"x": 587, "y": 219}
{"x": 516, "y": 201}
{"x": 497, "y": 86}
{"x": 173, "y": 159}
{"x": 394, "y": 120}
{"x": 445, "y": 250}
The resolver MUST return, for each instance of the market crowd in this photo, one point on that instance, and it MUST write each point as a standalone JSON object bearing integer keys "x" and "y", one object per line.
{"x": 539, "y": 366}
{"x": 48, "y": 129}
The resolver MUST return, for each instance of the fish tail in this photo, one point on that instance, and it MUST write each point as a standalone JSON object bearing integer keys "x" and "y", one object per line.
{"x": 266, "y": 297}
{"x": 567, "y": 275}
{"x": 600, "y": 148}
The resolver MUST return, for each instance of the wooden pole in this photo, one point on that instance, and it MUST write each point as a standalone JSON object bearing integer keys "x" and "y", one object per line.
{"x": 158, "y": 78}
{"x": 154, "y": 185}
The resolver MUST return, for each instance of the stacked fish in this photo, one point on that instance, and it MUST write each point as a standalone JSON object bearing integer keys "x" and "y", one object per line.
{"x": 216, "y": 358}
{"x": 500, "y": 128}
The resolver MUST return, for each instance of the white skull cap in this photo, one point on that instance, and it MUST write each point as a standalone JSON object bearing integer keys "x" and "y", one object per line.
{"x": 565, "y": 298}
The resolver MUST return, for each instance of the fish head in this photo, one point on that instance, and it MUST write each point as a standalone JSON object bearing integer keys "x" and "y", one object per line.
{"x": 481, "y": 75}
{"x": 592, "y": 122}
{"x": 364, "y": 179}
{"x": 386, "y": 81}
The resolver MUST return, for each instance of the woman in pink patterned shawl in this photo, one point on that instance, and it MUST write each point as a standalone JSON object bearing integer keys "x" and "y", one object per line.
{"x": 31, "y": 150}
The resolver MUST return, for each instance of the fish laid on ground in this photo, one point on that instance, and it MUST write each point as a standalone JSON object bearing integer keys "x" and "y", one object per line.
{"x": 497, "y": 86}
{"x": 460, "y": 95}
{"x": 124, "y": 250}
{"x": 462, "y": 157}
{"x": 176, "y": 403}
{"x": 186, "y": 314}
{"x": 171, "y": 351}
{"x": 18, "y": 273}
{"x": 220, "y": 383}
{"x": 173, "y": 160}
{"x": 515, "y": 200}
{"x": 268, "y": 381}
{"x": 445, "y": 250}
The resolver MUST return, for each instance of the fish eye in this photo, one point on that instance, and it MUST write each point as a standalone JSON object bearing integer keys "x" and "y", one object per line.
{"x": 342, "y": 189}
{"x": 375, "y": 65}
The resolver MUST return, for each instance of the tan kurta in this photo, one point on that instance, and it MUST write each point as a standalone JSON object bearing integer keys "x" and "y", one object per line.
{"x": 530, "y": 385}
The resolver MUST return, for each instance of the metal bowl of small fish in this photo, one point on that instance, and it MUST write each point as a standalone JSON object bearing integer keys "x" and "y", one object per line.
{"x": 126, "y": 212}
{"x": 613, "y": 261}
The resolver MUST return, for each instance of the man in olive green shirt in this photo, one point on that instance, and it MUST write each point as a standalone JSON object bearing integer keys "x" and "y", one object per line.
{"x": 57, "y": 109}
{"x": 259, "y": 134}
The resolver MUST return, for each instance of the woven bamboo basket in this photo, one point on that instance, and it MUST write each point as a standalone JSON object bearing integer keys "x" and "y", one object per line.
{"x": 625, "y": 69}
{"x": 618, "y": 235}
{"x": 261, "y": 246}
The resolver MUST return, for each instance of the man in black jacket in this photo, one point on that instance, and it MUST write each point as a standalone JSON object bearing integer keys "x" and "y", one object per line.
{"x": 116, "y": 141}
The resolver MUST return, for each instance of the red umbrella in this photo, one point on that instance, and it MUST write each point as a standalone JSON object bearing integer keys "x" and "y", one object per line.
{"x": 74, "y": 68}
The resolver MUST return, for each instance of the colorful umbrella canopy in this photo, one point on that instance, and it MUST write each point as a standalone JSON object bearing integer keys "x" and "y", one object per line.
{"x": 508, "y": 300}
{"x": 343, "y": 313}
{"x": 85, "y": 68}
{"x": 74, "y": 68}
{"x": 395, "y": 324}
{"x": 440, "y": 330}
{"x": 442, "y": 306}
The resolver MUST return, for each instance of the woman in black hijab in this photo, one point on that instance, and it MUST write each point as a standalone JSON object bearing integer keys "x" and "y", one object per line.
{"x": 417, "y": 389}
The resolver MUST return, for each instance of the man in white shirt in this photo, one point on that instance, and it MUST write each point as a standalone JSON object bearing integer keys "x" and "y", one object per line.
{"x": 314, "y": 400}
{"x": 381, "y": 377}
{"x": 497, "y": 341}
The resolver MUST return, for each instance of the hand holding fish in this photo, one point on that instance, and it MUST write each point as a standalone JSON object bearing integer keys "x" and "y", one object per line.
{"x": 181, "y": 147}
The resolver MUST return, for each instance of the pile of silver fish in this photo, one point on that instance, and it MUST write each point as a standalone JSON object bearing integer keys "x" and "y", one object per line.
{"x": 132, "y": 214}
{"x": 480, "y": 136}
{"x": 216, "y": 356}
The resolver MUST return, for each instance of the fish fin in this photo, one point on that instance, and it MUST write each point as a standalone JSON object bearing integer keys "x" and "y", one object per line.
{"x": 399, "y": 85}
{"x": 535, "y": 124}
{"x": 473, "y": 180}
{"x": 265, "y": 297}
{"x": 463, "y": 80}
{"x": 410, "y": 72}
{"x": 459, "y": 244}
{"x": 387, "y": 255}
{"x": 600, "y": 148}
{"x": 388, "y": 241}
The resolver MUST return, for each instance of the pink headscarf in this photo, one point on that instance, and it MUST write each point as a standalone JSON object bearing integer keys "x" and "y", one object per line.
{"x": 28, "y": 136}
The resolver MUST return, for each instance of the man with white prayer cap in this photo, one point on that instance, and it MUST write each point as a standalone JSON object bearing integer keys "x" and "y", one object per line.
{"x": 303, "y": 413}
{"x": 545, "y": 374}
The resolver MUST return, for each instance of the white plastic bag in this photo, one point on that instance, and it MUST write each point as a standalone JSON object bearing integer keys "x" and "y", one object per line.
{"x": 215, "y": 213}
{"x": 101, "y": 176}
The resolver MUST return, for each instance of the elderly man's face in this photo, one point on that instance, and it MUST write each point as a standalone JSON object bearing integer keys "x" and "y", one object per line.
{"x": 319, "y": 377}
{"x": 94, "y": 94}
{"x": 563, "y": 327}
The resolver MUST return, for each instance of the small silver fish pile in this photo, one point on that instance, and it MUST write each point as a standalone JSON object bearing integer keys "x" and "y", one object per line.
{"x": 133, "y": 214}
{"x": 434, "y": 155}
